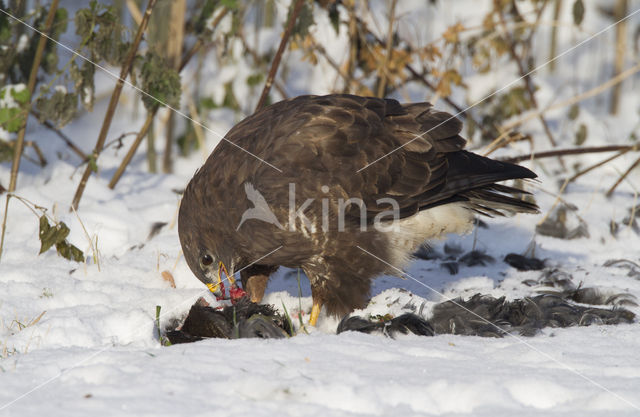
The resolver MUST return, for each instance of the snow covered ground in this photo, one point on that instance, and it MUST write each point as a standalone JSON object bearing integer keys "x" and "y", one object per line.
{"x": 79, "y": 340}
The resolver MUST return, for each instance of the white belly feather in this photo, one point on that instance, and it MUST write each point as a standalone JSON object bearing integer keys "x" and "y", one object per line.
{"x": 434, "y": 223}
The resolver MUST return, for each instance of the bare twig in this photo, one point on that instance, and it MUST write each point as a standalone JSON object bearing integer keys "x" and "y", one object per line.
{"x": 113, "y": 103}
{"x": 557, "y": 7}
{"x": 42, "y": 161}
{"x": 620, "y": 11}
{"x": 597, "y": 165}
{"x": 496, "y": 143}
{"x": 622, "y": 177}
{"x": 524, "y": 74}
{"x": 62, "y": 136}
{"x": 382, "y": 80}
{"x": 353, "y": 45}
{"x": 276, "y": 60}
{"x": 17, "y": 151}
{"x": 151, "y": 115}
{"x": 174, "y": 51}
{"x": 200, "y": 41}
{"x": 575, "y": 151}
{"x": 348, "y": 79}
{"x": 132, "y": 150}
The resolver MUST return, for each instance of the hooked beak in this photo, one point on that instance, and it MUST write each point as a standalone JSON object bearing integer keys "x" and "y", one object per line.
{"x": 217, "y": 287}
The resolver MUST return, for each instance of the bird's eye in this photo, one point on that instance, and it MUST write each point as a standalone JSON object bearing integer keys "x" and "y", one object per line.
{"x": 206, "y": 260}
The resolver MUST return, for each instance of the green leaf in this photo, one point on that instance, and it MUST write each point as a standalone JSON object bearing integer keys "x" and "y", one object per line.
{"x": 581, "y": 134}
{"x": 92, "y": 163}
{"x": 304, "y": 21}
{"x": 69, "y": 251}
{"x": 5, "y": 27}
{"x": 574, "y": 112}
{"x": 205, "y": 14}
{"x": 231, "y": 4}
{"x": 12, "y": 118}
{"x": 59, "y": 107}
{"x": 6, "y": 154}
{"x": 45, "y": 234}
{"x": 578, "y": 12}
{"x": 22, "y": 96}
{"x": 334, "y": 17}
{"x": 51, "y": 235}
{"x": 254, "y": 79}
{"x": 160, "y": 81}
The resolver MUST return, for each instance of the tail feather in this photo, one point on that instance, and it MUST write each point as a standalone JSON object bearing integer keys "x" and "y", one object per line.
{"x": 472, "y": 179}
{"x": 491, "y": 202}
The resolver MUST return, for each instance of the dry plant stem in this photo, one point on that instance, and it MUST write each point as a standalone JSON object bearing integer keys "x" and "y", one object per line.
{"x": 200, "y": 41}
{"x": 622, "y": 177}
{"x": 62, "y": 136}
{"x": 349, "y": 80}
{"x": 151, "y": 150}
{"x": 256, "y": 60}
{"x": 534, "y": 28}
{"x": 151, "y": 115}
{"x": 353, "y": 46}
{"x": 42, "y": 161}
{"x": 620, "y": 11}
{"x": 576, "y": 151}
{"x": 132, "y": 150}
{"x": 525, "y": 76}
{"x": 597, "y": 165}
{"x": 17, "y": 151}
{"x": 113, "y": 103}
{"x": 495, "y": 144}
{"x": 135, "y": 12}
{"x": 382, "y": 84}
{"x": 174, "y": 51}
{"x": 553, "y": 47}
{"x": 422, "y": 78}
{"x": 276, "y": 60}
{"x": 197, "y": 127}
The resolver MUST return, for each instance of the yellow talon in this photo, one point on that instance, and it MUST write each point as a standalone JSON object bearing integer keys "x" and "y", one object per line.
{"x": 315, "y": 312}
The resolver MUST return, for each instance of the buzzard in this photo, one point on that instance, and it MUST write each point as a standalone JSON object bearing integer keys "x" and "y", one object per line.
{"x": 342, "y": 186}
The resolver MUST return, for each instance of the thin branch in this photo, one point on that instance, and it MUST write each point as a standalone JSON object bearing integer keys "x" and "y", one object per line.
{"x": 62, "y": 136}
{"x": 597, "y": 165}
{"x": 495, "y": 144}
{"x": 574, "y": 151}
{"x": 113, "y": 103}
{"x": 132, "y": 150}
{"x": 523, "y": 73}
{"x": 256, "y": 60}
{"x": 151, "y": 115}
{"x": 200, "y": 41}
{"x": 382, "y": 84}
{"x": 620, "y": 11}
{"x": 622, "y": 177}
{"x": 17, "y": 151}
{"x": 276, "y": 60}
{"x": 553, "y": 46}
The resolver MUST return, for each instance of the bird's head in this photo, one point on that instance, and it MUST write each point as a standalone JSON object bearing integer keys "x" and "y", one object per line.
{"x": 205, "y": 249}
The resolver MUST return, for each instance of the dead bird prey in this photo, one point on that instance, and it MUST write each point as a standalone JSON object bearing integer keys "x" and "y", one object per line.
{"x": 487, "y": 316}
{"x": 292, "y": 186}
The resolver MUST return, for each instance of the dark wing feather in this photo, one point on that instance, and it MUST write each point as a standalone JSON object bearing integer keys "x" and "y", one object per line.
{"x": 331, "y": 137}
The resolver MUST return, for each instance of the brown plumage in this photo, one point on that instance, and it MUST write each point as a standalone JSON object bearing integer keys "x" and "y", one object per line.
{"x": 320, "y": 143}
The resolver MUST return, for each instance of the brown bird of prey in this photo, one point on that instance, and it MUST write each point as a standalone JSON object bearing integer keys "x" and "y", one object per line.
{"x": 344, "y": 187}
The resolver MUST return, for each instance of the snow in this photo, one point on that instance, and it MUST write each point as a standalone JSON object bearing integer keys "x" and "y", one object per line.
{"x": 80, "y": 339}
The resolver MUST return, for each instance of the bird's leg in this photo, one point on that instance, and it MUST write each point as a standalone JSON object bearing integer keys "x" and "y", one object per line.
{"x": 315, "y": 312}
{"x": 254, "y": 280}
{"x": 317, "y": 306}
{"x": 255, "y": 286}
